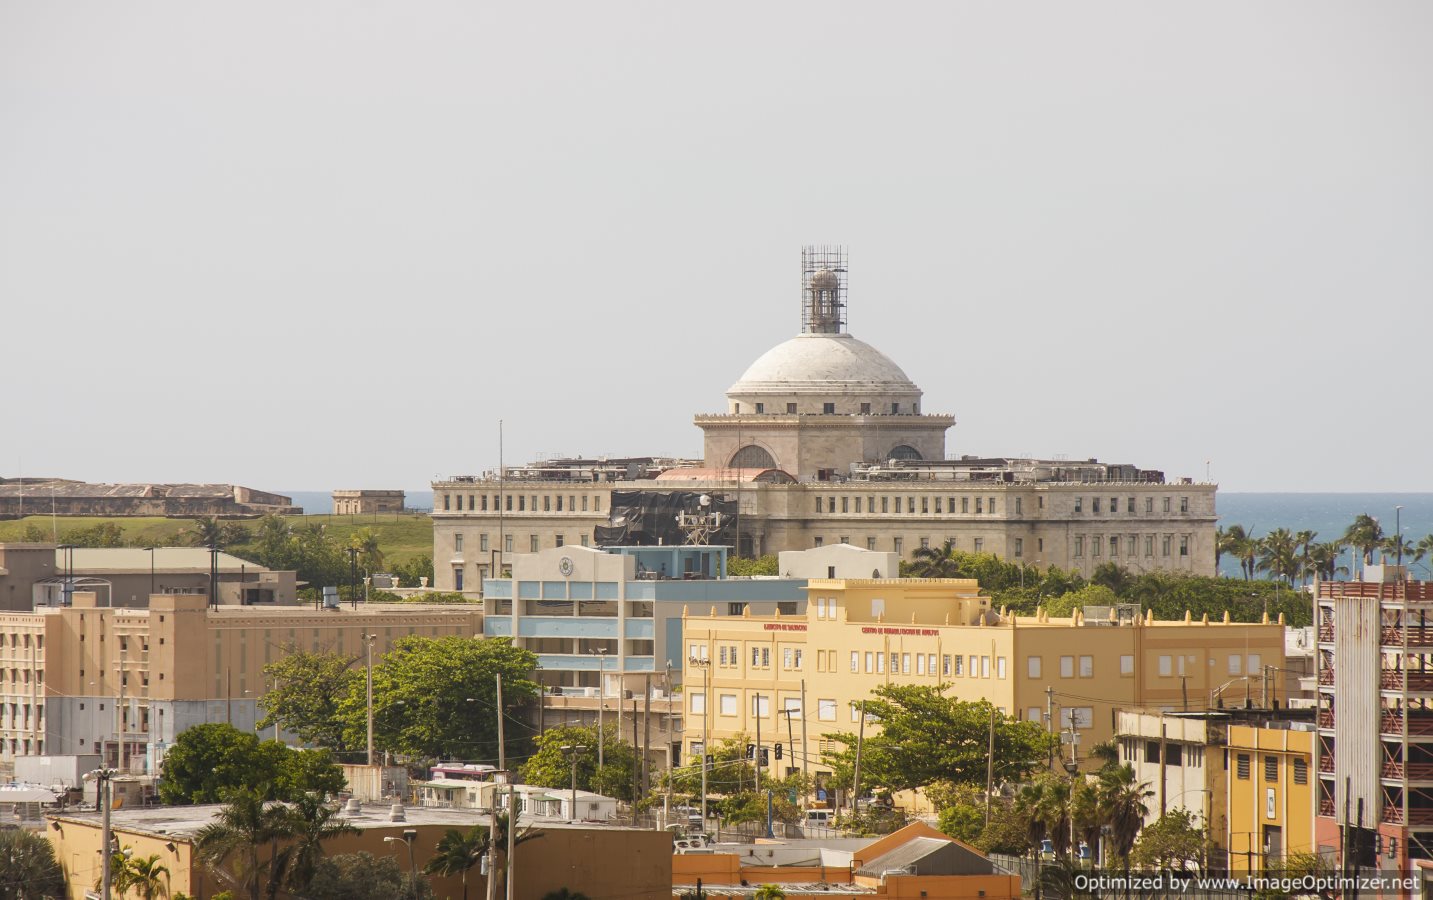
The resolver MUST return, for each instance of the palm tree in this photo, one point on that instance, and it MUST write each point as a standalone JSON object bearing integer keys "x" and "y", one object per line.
{"x": 1278, "y": 554}
{"x": 147, "y": 877}
{"x": 207, "y": 532}
{"x": 310, "y": 822}
{"x": 28, "y": 859}
{"x": 1423, "y": 548}
{"x": 370, "y": 554}
{"x": 1235, "y": 541}
{"x": 1323, "y": 560}
{"x": 1364, "y": 535}
{"x": 1304, "y": 539}
{"x": 1122, "y": 807}
{"x": 242, "y": 826}
{"x": 1054, "y": 808}
{"x": 1028, "y": 804}
{"x": 458, "y": 852}
{"x": 936, "y": 562}
{"x": 769, "y": 892}
{"x": 1223, "y": 543}
{"x": 1396, "y": 547}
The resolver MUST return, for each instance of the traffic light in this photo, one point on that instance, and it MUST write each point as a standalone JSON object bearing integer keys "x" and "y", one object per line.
{"x": 778, "y": 751}
{"x": 751, "y": 751}
{"x": 711, "y": 760}
{"x": 765, "y": 757}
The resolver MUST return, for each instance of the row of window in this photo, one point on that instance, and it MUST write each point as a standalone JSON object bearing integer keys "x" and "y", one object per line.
{"x": 1243, "y": 764}
{"x": 522, "y": 502}
{"x": 898, "y": 545}
{"x": 907, "y": 505}
{"x": 728, "y": 705}
{"x": 1129, "y": 508}
{"x": 1173, "y": 666}
{"x": 558, "y": 540}
{"x": 1097, "y": 544}
{"x": 827, "y": 408}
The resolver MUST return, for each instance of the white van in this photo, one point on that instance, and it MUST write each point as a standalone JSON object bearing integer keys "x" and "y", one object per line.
{"x": 821, "y": 818}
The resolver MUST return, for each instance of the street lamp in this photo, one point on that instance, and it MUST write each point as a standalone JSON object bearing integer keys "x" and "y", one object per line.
{"x": 601, "y": 655}
{"x": 572, "y": 750}
{"x": 705, "y": 665}
{"x": 410, "y": 837}
{"x": 353, "y": 576}
{"x": 368, "y": 640}
{"x": 151, "y": 570}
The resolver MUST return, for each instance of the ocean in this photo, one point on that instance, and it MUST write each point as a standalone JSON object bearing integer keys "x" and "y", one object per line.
{"x": 1325, "y": 514}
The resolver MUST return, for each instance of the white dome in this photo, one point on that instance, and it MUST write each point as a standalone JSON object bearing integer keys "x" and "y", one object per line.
{"x": 823, "y": 363}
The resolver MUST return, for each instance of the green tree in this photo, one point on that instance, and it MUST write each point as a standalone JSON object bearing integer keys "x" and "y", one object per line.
{"x": 1113, "y": 576}
{"x": 769, "y": 892}
{"x": 936, "y": 562}
{"x": 370, "y": 555}
{"x": 1323, "y": 560}
{"x": 310, "y": 821}
{"x": 210, "y": 532}
{"x": 101, "y": 534}
{"x": 1364, "y": 534}
{"x": 410, "y": 572}
{"x": 306, "y": 694}
{"x": 358, "y": 876}
{"x": 229, "y": 845}
{"x": 28, "y": 867}
{"x": 926, "y": 736}
{"x": 551, "y": 767}
{"x": 208, "y": 761}
{"x": 741, "y": 567}
{"x": 1279, "y": 554}
{"x": 1236, "y": 542}
{"x": 457, "y": 853}
{"x": 1122, "y": 808}
{"x": 1089, "y": 595}
{"x": 147, "y": 877}
{"x": 437, "y": 696}
{"x": 1173, "y": 841}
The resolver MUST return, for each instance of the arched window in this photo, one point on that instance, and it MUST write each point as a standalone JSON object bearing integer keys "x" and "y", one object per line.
{"x": 752, "y": 457}
{"x": 905, "y": 451}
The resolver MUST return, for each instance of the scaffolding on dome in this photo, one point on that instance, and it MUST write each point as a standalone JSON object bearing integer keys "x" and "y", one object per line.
{"x": 823, "y": 289}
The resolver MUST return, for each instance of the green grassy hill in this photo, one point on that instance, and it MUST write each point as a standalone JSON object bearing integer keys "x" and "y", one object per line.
{"x": 402, "y": 537}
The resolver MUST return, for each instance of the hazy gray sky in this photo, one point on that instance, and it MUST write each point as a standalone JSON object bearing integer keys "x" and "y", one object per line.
{"x": 314, "y": 245}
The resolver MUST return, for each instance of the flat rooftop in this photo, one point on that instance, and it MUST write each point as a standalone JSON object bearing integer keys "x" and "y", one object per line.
{"x": 186, "y": 821}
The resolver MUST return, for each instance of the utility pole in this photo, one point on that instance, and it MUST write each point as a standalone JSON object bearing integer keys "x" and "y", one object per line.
{"x": 646, "y": 734}
{"x": 512, "y": 840}
{"x": 502, "y": 745}
{"x": 1184, "y": 690}
{"x": 123, "y": 711}
{"x": 368, "y": 640}
{"x": 1050, "y": 718}
{"x": 805, "y": 755}
{"x": 990, "y": 767}
{"x": 636, "y": 770}
{"x": 492, "y": 879}
{"x": 757, "y": 698}
{"x": 856, "y": 773}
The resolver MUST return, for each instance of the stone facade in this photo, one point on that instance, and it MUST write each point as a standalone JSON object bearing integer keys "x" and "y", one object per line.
{"x": 366, "y": 502}
{"x": 61, "y": 497}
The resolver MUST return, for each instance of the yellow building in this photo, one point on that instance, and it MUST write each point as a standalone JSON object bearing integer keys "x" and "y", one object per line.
{"x": 1270, "y": 795}
{"x": 626, "y": 862}
{"x": 67, "y": 672}
{"x": 1069, "y": 674}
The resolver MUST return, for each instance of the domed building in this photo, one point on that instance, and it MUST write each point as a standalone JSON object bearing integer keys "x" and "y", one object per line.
{"x": 822, "y": 402}
{"x": 823, "y": 441}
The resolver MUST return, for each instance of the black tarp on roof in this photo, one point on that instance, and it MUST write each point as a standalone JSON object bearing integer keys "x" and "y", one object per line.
{"x": 649, "y": 518}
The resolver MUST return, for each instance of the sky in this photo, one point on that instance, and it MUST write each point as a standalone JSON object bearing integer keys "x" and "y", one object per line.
{"x": 332, "y": 244}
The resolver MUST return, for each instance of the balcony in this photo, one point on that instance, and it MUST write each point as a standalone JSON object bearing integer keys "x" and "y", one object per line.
{"x": 1326, "y": 634}
{"x": 1326, "y": 764}
{"x": 1393, "y": 679}
{"x": 1326, "y": 808}
{"x": 1326, "y": 677}
{"x": 1325, "y": 718}
{"x": 1408, "y": 771}
{"x": 1418, "y": 817}
{"x": 1419, "y": 724}
{"x": 1421, "y": 636}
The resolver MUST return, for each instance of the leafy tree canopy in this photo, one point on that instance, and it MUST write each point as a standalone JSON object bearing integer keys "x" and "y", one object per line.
{"x": 436, "y": 697}
{"x": 208, "y": 762}
{"x": 1176, "y": 840}
{"x": 305, "y": 697}
{"x": 551, "y": 766}
{"x": 28, "y": 866}
{"x": 740, "y": 566}
{"x": 926, "y": 737}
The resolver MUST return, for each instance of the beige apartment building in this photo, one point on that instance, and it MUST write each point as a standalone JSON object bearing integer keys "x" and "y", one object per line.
{"x": 367, "y": 502}
{"x": 92, "y": 679}
{"x": 1068, "y": 674}
{"x": 823, "y": 440}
